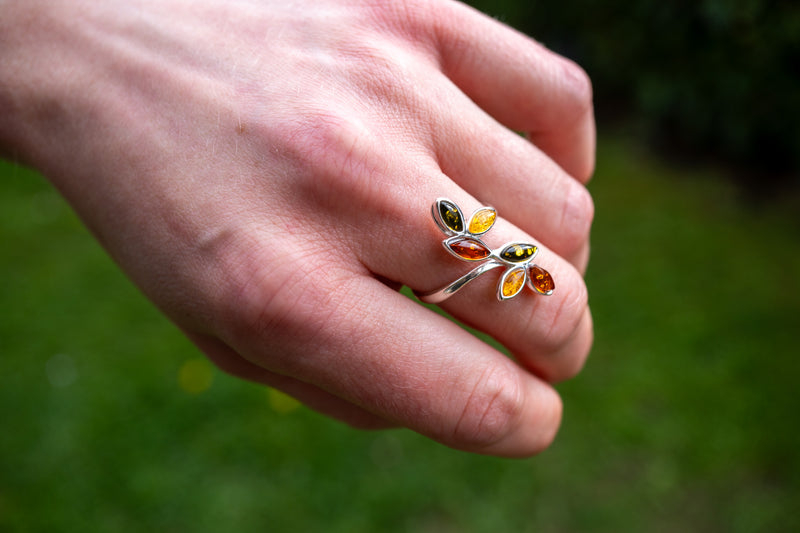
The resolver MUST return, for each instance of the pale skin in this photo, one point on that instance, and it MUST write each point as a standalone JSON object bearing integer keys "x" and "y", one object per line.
{"x": 264, "y": 171}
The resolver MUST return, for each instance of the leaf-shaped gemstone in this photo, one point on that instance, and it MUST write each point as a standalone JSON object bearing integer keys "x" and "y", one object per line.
{"x": 466, "y": 248}
{"x": 482, "y": 220}
{"x": 517, "y": 253}
{"x": 451, "y": 216}
{"x": 511, "y": 283}
{"x": 541, "y": 280}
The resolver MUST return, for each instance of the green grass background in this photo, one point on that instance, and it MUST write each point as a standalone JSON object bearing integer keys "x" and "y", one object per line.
{"x": 685, "y": 418}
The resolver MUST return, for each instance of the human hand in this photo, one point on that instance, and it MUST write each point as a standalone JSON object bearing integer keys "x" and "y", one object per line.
{"x": 264, "y": 172}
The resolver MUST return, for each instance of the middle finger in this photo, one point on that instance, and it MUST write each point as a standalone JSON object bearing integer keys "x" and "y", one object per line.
{"x": 508, "y": 172}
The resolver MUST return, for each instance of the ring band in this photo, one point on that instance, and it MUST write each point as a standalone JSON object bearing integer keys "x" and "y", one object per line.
{"x": 463, "y": 241}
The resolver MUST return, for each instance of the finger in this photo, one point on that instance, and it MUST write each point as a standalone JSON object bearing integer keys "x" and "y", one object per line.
{"x": 544, "y": 336}
{"x": 549, "y": 334}
{"x": 393, "y": 235}
{"x": 359, "y": 340}
{"x": 386, "y": 225}
{"x": 507, "y": 172}
{"x": 581, "y": 259}
{"x": 521, "y": 83}
{"x": 314, "y": 397}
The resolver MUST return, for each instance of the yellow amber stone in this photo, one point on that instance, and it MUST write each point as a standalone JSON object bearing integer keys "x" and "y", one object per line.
{"x": 513, "y": 282}
{"x": 482, "y": 220}
{"x": 541, "y": 280}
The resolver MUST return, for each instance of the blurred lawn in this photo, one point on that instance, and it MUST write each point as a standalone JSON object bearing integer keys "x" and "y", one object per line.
{"x": 685, "y": 418}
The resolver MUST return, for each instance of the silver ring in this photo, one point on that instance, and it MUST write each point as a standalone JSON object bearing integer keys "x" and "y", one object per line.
{"x": 463, "y": 241}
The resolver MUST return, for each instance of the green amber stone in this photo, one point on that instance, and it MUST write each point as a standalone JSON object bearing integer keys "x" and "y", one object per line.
{"x": 451, "y": 216}
{"x": 517, "y": 253}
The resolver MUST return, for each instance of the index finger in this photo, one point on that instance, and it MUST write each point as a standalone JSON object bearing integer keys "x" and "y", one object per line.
{"x": 361, "y": 341}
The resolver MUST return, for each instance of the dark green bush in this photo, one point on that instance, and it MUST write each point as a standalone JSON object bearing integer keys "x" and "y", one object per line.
{"x": 718, "y": 78}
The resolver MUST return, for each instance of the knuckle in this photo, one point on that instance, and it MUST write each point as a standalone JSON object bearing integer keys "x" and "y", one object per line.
{"x": 265, "y": 300}
{"x": 568, "y": 365}
{"x": 409, "y": 18}
{"x": 337, "y": 154}
{"x": 330, "y": 140}
{"x": 576, "y": 364}
{"x": 493, "y": 409}
{"x": 578, "y": 88}
{"x": 290, "y": 311}
{"x": 247, "y": 301}
{"x": 551, "y": 412}
{"x": 561, "y": 321}
{"x": 577, "y": 216}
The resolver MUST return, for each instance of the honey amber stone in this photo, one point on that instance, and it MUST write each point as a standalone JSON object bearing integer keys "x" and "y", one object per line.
{"x": 512, "y": 282}
{"x": 482, "y": 220}
{"x": 451, "y": 216}
{"x": 541, "y": 280}
{"x": 517, "y": 253}
{"x": 468, "y": 249}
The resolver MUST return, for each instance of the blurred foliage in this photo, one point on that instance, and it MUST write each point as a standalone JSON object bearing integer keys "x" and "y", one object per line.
{"x": 683, "y": 420}
{"x": 718, "y": 78}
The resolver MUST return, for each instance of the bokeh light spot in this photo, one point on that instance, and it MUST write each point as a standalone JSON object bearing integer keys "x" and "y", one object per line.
{"x": 61, "y": 370}
{"x": 195, "y": 376}
{"x": 281, "y": 403}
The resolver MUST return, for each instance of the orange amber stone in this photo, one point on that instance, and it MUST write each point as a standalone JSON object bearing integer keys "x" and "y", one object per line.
{"x": 516, "y": 253}
{"x": 468, "y": 249}
{"x": 541, "y": 280}
{"x": 482, "y": 220}
{"x": 512, "y": 283}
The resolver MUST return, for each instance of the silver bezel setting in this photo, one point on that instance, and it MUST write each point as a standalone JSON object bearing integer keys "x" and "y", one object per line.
{"x": 491, "y": 261}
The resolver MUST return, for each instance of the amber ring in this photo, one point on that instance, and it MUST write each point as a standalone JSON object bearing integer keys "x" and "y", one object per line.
{"x": 464, "y": 242}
